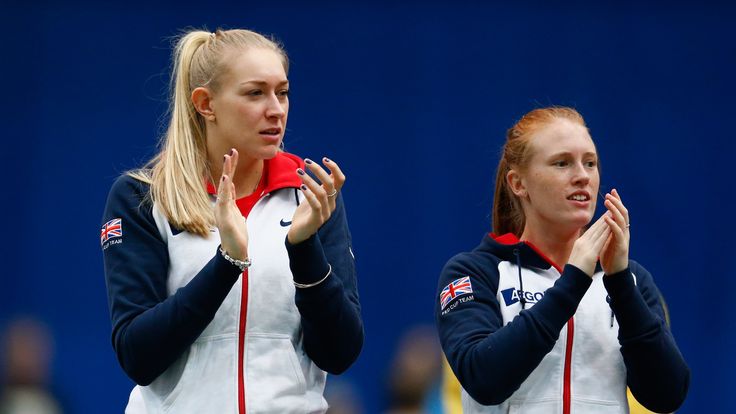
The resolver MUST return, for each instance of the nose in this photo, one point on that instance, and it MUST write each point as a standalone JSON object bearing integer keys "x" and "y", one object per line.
{"x": 581, "y": 175}
{"x": 275, "y": 108}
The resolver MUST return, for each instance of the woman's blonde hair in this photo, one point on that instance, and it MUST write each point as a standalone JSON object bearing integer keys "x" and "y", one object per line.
{"x": 178, "y": 173}
{"x": 508, "y": 216}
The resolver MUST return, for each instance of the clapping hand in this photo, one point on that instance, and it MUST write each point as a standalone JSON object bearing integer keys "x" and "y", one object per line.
{"x": 587, "y": 247}
{"x": 230, "y": 222}
{"x": 320, "y": 196}
{"x": 615, "y": 253}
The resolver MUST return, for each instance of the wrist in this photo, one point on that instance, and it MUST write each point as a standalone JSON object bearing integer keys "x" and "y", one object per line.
{"x": 242, "y": 264}
{"x": 616, "y": 270}
{"x": 584, "y": 265}
{"x": 294, "y": 238}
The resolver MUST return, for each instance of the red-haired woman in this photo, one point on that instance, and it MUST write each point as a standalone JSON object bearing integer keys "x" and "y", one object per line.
{"x": 546, "y": 316}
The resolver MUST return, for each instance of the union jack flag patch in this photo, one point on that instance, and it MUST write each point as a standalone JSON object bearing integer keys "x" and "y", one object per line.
{"x": 111, "y": 229}
{"x": 458, "y": 287}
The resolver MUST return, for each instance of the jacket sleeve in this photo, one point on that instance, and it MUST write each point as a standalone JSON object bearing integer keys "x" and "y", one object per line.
{"x": 656, "y": 372}
{"x": 330, "y": 311}
{"x": 151, "y": 329}
{"x": 492, "y": 360}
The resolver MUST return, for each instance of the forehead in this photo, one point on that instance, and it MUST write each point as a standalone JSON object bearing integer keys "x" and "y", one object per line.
{"x": 562, "y": 135}
{"x": 254, "y": 64}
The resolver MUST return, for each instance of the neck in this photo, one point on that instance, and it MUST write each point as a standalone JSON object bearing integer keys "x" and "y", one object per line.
{"x": 557, "y": 245}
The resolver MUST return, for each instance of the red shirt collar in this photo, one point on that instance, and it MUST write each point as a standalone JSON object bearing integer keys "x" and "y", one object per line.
{"x": 510, "y": 238}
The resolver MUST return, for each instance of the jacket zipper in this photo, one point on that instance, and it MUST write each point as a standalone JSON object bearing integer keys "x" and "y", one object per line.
{"x": 568, "y": 362}
{"x": 241, "y": 342}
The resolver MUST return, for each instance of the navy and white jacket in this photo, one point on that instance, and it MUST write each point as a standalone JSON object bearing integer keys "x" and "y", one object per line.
{"x": 525, "y": 336}
{"x": 199, "y": 337}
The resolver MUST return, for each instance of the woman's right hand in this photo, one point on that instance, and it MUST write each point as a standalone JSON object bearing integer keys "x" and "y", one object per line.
{"x": 230, "y": 222}
{"x": 588, "y": 247}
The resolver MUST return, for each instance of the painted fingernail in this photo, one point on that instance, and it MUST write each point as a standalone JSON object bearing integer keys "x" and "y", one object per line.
{"x": 327, "y": 159}
{"x": 223, "y": 177}
{"x": 307, "y": 161}
{"x": 231, "y": 151}
{"x": 224, "y": 158}
{"x": 300, "y": 171}
{"x": 304, "y": 187}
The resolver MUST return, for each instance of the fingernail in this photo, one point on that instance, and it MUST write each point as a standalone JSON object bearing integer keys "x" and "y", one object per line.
{"x": 223, "y": 177}
{"x": 224, "y": 158}
{"x": 327, "y": 159}
{"x": 304, "y": 187}
{"x": 307, "y": 161}
{"x": 300, "y": 171}
{"x": 231, "y": 151}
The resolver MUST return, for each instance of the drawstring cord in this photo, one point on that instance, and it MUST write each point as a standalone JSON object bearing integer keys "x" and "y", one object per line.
{"x": 608, "y": 301}
{"x": 522, "y": 300}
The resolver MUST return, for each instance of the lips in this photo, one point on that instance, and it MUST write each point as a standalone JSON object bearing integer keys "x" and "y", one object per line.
{"x": 581, "y": 196}
{"x": 271, "y": 136}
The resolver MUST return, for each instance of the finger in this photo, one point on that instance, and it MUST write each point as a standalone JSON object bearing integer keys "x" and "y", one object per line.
{"x": 226, "y": 164}
{"x": 312, "y": 199}
{"x": 321, "y": 174}
{"x": 597, "y": 229}
{"x": 616, "y": 194}
{"x": 601, "y": 238}
{"x": 616, "y": 231}
{"x": 317, "y": 190}
{"x": 607, "y": 244}
{"x": 326, "y": 179}
{"x": 616, "y": 201}
{"x": 620, "y": 203}
{"x": 223, "y": 190}
{"x": 595, "y": 226}
{"x": 615, "y": 211}
{"x": 234, "y": 156}
{"x": 337, "y": 175}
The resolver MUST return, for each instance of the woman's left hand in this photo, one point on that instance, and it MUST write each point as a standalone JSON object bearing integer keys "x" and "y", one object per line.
{"x": 310, "y": 216}
{"x": 615, "y": 253}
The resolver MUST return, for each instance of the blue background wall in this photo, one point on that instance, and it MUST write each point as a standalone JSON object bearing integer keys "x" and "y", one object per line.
{"x": 413, "y": 100}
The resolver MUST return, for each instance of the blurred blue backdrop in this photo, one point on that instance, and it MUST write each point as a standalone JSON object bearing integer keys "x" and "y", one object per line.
{"x": 413, "y": 100}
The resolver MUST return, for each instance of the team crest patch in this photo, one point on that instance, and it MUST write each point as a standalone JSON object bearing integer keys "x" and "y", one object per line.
{"x": 113, "y": 229}
{"x": 457, "y": 288}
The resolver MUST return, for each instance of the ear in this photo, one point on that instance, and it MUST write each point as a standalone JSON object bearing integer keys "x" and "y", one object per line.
{"x": 516, "y": 183}
{"x": 202, "y": 101}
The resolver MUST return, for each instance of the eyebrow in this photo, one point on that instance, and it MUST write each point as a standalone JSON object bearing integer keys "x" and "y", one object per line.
{"x": 260, "y": 82}
{"x": 567, "y": 153}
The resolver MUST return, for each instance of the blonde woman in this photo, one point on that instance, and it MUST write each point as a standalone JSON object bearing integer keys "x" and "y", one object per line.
{"x": 546, "y": 316}
{"x": 229, "y": 269}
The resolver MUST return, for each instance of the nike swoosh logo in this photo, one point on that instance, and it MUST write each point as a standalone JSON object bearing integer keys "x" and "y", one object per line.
{"x": 285, "y": 223}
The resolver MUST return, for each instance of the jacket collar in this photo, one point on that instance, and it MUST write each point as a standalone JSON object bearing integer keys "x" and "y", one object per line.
{"x": 505, "y": 245}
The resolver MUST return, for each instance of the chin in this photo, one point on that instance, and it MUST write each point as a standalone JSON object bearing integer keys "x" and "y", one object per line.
{"x": 581, "y": 222}
{"x": 268, "y": 153}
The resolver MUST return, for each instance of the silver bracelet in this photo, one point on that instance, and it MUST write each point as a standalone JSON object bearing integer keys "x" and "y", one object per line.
{"x": 302, "y": 285}
{"x": 242, "y": 264}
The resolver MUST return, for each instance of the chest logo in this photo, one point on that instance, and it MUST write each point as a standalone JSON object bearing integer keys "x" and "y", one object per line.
{"x": 458, "y": 287}
{"x": 512, "y": 295}
{"x": 285, "y": 223}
